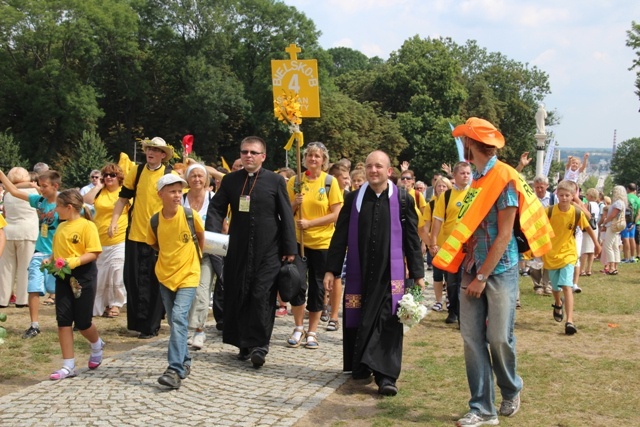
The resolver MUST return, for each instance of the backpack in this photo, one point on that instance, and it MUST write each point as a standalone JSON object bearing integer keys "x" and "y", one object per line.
{"x": 628, "y": 214}
{"x": 521, "y": 239}
{"x": 592, "y": 222}
{"x": 188, "y": 213}
{"x": 447, "y": 196}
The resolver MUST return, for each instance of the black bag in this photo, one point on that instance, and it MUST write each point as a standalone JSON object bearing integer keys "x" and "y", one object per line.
{"x": 592, "y": 222}
{"x": 290, "y": 280}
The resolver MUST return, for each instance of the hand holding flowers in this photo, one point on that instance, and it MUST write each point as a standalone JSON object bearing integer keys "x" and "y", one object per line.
{"x": 410, "y": 309}
{"x": 60, "y": 267}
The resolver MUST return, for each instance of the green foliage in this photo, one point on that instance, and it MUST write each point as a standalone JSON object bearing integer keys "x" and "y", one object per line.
{"x": 9, "y": 152}
{"x": 90, "y": 153}
{"x": 633, "y": 41}
{"x": 624, "y": 164}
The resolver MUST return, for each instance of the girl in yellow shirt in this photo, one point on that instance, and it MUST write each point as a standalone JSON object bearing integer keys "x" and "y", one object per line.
{"x": 76, "y": 244}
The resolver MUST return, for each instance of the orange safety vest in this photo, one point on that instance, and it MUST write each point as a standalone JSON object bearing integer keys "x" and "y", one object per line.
{"x": 481, "y": 196}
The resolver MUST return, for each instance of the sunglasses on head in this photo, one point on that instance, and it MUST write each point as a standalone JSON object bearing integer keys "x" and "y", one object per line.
{"x": 320, "y": 145}
{"x": 110, "y": 175}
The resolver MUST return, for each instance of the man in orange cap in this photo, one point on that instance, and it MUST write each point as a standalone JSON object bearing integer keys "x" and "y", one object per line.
{"x": 489, "y": 285}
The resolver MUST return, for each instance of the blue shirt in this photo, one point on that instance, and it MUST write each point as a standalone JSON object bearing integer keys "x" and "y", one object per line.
{"x": 47, "y": 219}
{"x": 487, "y": 231}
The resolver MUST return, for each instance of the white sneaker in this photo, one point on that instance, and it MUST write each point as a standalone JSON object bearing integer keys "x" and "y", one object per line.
{"x": 475, "y": 420}
{"x": 190, "y": 340}
{"x": 198, "y": 340}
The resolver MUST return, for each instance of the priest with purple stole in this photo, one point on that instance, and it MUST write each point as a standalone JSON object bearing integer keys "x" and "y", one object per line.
{"x": 378, "y": 227}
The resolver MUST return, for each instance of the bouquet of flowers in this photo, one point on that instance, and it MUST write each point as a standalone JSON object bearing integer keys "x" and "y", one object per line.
{"x": 287, "y": 109}
{"x": 410, "y": 309}
{"x": 3, "y": 331}
{"x": 59, "y": 267}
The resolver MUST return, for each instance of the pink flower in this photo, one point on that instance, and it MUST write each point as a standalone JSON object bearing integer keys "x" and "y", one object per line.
{"x": 60, "y": 263}
{"x": 308, "y": 173}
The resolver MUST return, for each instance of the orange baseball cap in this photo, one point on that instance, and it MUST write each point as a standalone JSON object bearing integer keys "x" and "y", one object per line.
{"x": 480, "y": 130}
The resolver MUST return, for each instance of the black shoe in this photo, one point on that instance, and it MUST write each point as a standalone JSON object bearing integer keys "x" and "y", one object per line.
{"x": 570, "y": 328}
{"x": 31, "y": 332}
{"x": 187, "y": 370}
{"x": 451, "y": 318}
{"x": 22, "y": 305}
{"x": 146, "y": 336}
{"x": 170, "y": 378}
{"x": 244, "y": 354}
{"x": 257, "y": 358}
{"x": 219, "y": 326}
{"x": 387, "y": 387}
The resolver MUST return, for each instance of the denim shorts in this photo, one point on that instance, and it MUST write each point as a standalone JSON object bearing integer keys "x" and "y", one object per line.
{"x": 40, "y": 281}
{"x": 561, "y": 277}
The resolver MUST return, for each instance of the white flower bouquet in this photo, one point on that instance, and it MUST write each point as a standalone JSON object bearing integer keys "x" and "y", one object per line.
{"x": 410, "y": 310}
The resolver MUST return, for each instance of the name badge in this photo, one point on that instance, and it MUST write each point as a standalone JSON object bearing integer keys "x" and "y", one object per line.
{"x": 44, "y": 230}
{"x": 245, "y": 203}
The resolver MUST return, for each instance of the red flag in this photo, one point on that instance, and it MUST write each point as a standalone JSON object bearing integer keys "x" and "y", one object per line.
{"x": 187, "y": 143}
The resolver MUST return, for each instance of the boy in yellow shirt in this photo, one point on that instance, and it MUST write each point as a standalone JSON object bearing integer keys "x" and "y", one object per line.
{"x": 177, "y": 269}
{"x": 561, "y": 259}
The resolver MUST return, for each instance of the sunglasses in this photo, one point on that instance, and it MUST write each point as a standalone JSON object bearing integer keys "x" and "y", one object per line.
{"x": 95, "y": 177}
{"x": 110, "y": 175}
{"x": 320, "y": 145}
{"x": 247, "y": 152}
{"x": 406, "y": 178}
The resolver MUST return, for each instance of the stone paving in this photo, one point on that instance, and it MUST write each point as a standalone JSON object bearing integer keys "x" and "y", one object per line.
{"x": 221, "y": 390}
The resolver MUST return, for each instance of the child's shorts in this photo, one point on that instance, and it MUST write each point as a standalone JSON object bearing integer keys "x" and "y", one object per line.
{"x": 561, "y": 277}
{"x": 40, "y": 281}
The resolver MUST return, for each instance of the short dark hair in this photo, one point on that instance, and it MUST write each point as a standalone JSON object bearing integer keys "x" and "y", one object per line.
{"x": 255, "y": 139}
{"x": 52, "y": 176}
{"x": 631, "y": 187}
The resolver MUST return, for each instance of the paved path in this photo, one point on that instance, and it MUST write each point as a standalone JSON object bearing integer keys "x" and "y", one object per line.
{"x": 221, "y": 390}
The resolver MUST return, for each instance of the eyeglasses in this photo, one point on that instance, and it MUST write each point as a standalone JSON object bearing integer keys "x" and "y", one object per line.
{"x": 95, "y": 177}
{"x": 110, "y": 175}
{"x": 247, "y": 152}
{"x": 406, "y": 178}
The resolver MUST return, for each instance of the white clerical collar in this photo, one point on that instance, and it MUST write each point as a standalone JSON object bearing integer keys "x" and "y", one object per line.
{"x": 363, "y": 188}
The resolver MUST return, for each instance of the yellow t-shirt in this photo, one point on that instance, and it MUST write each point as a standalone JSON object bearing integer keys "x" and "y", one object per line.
{"x": 3, "y": 222}
{"x": 420, "y": 201}
{"x": 455, "y": 202}
{"x": 74, "y": 238}
{"x": 316, "y": 204}
{"x": 563, "y": 245}
{"x": 178, "y": 264}
{"x": 147, "y": 202}
{"x": 103, "y": 204}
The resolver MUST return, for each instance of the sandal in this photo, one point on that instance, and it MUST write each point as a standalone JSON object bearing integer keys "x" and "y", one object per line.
{"x": 292, "y": 342}
{"x": 333, "y": 325}
{"x": 558, "y": 312}
{"x": 63, "y": 373}
{"x": 325, "y": 314}
{"x": 583, "y": 274}
{"x": 612, "y": 273}
{"x": 49, "y": 301}
{"x": 112, "y": 312}
{"x": 437, "y": 306}
{"x": 312, "y": 341}
{"x": 570, "y": 328}
{"x": 588, "y": 273}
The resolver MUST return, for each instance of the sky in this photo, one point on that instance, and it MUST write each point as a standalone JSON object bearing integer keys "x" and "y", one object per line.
{"x": 580, "y": 44}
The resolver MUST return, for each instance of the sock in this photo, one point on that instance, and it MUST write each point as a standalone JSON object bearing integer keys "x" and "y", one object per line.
{"x": 69, "y": 363}
{"x": 35, "y": 325}
{"x": 298, "y": 332}
{"x": 96, "y": 347}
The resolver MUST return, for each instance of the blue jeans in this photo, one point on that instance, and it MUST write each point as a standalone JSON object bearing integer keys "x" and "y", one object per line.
{"x": 177, "y": 305}
{"x": 486, "y": 326}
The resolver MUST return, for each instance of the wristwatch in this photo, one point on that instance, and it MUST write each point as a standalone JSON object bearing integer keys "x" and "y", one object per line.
{"x": 481, "y": 278}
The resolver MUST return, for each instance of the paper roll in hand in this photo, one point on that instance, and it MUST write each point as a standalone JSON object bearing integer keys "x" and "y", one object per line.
{"x": 215, "y": 243}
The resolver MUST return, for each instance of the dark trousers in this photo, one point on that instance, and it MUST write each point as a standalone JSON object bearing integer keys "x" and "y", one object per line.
{"x": 144, "y": 305}
{"x": 453, "y": 291}
{"x": 218, "y": 291}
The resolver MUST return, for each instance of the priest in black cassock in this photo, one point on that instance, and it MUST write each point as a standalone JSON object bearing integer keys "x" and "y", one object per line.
{"x": 261, "y": 235}
{"x": 378, "y": 225}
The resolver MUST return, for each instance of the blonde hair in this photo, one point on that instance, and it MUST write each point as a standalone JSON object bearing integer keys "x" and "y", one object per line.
{"x": 619, "y": 193}
{"x": 18, "y": 174}
{"x": 567, "y": 185}
{"x": 319, "y": 147}
{"x": 443, "y": 180}
{"x": 593, "y": 193}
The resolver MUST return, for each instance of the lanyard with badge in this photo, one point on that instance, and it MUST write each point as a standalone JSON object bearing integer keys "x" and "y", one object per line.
{"x": 245, "y": 200}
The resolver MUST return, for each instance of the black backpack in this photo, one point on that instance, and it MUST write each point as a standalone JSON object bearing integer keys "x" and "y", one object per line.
{"x": 628, "y": 214}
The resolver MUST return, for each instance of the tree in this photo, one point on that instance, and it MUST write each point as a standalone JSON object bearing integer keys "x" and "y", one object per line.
{"x": 346, "y": 60}
{"x": 9, "y": 152}
{"x": 90, "y": 153}
{"x": 633, "y": 41}
{"x": 624, "y": 164}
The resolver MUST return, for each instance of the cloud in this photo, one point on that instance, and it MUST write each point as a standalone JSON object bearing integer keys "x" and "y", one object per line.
{"x": 372, "y": 49}
{"x": 344, "y": 42}
{"x": 353, "y": 6}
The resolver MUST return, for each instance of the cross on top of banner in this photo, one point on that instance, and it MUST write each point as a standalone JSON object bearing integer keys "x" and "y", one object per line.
{"x": 293, "y": 51}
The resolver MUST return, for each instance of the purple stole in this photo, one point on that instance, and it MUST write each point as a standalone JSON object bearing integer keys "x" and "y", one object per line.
{"x": 353, "y": 285}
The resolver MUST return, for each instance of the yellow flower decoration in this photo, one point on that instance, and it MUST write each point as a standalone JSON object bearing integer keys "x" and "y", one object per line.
{"x": 286, "y": 109}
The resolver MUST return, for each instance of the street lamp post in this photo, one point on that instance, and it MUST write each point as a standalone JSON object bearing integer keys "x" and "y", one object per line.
{"x": 541, "y": 138}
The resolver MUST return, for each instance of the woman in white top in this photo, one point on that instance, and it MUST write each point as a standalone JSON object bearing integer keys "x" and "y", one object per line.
{"x": 611, "y": 246}
{"x": 586, "y": 257}
{"x": 21, "y": 233}
{"x": 197, "y": 198}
